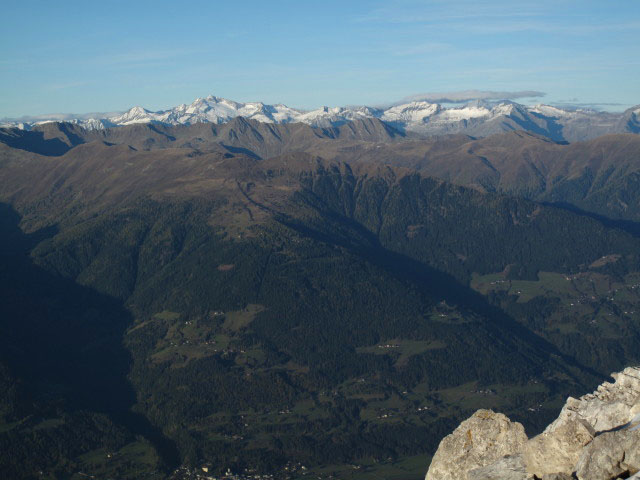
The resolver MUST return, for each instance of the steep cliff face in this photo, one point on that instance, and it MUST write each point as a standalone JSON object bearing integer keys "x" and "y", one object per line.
{"x": 595, "y": 437}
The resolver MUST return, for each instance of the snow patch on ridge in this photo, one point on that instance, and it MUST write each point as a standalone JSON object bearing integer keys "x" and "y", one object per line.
{"x": 416, "y": 116}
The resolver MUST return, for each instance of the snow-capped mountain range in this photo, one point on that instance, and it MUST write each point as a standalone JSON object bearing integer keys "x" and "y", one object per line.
{"x": 477, "y": 118}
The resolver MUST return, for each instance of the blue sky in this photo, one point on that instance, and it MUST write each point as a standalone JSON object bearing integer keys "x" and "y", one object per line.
{"x": 108, "y": 56}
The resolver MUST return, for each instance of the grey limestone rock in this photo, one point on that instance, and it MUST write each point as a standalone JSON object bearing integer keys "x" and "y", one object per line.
{"x": 557, "y": 476}
{"x": 596, "y": 437}
{"x": 558, "y": 451}
{"x": 477, "y": 442}
{"x": 511, "y": 467}
{"x": 611, "y": 405}
{"x": 610, "y": 455}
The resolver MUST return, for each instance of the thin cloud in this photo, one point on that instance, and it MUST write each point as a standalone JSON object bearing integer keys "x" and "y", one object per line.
{"x": 545, "y": 27}
{"x": 486, "y": 19}
{"x": 438, "y": 15}
{"x": 143, "y": 56}
{"x": 470, "y": 95}
{"x": 588, "y": 105}
{"x": 64, "y": 86}
{"x": 421, "y": 49}
{"x": 60, "y": 117}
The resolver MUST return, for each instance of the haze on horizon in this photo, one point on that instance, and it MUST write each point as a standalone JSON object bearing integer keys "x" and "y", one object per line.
{"x": 88, "y": 58}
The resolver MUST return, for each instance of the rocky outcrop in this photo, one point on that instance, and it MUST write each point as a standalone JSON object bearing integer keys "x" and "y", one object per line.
{"x": 595, "y": 437}
{"x": 557, "y": 476}
{"x": 478, "y": 441}
{"x": 611, "y": 405}
{"x": 558, "y": 451}
{"x": 511, "y": 467}
{"x": 610, "y": 455}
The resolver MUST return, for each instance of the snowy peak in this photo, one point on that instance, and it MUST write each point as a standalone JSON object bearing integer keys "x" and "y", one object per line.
{"x": 464, "y": 113}
{"x": 553, "y": 112}
{"x": 477, "y": 118}
{"x": 414, "y": 112}
{"x": 220, "y": 110}
{"x": 133, "y": 115}
{"x": 332, "y": 117}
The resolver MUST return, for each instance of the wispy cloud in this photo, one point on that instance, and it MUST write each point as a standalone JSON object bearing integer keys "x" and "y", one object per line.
{"x": 546, "y": 27}
{"x": 588, "y": 105}
{"x": 407, "y": 11}
{"x": 423, "y": 48}
{"x": 13, "y": 61}
{"x": 445, "y": 12}
{"x": 495, "y": 18}
{"x": 60, "y": 117}
{"x": 63, "y": 86}
{"x": 138, "y": 57}
{"x": 470, "y": 95}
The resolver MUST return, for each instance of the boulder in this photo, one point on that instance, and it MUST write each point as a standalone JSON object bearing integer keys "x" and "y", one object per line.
{"x": 610, "y": 406}
{"x": 558, "y": 451}
{"x": 557, "y": 476}
{"x": 595, "y": 437}
{"x": 477, "y": 442}
{"x": 611, "y": 455}
{"x": 511, "y": 467}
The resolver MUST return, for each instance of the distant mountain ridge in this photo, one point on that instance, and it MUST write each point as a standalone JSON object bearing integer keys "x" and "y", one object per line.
{"x": 423, "y": 118}
{"x": 599, "y": 176}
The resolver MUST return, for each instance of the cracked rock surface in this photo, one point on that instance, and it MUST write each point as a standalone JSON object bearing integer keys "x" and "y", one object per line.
{"x": 477, "y": 442}
{"x": 595, "y": 437}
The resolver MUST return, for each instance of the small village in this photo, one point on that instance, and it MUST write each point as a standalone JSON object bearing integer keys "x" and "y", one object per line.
{"x": 289, "y": 471}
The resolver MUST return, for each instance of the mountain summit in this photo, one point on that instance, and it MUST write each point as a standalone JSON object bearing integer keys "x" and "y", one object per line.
{"x": 422, "y": 118}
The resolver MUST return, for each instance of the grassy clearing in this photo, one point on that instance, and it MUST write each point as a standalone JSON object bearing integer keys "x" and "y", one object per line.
{"x": 601, "y": 262}
{"x": 237, "y": 320}
{"x": 404, "y": 349}
{"x": 449, "y": 317}
{"x": 405, "y": 468}
{"x": 164, "y": 316}
{"x": 548, "y": 283}
{"x": 251, "y": 358}
{"x": 48, "y": 423}
{"x": 5, "y": 427}
{"x": 181, "y": 355}
{"x": 582, "y": 286}
{"x": 188, "y": 340}
{"x": 102, "y": 463}
{"x": 471, "y": 396}
{"x": 565, "y": 327}
{"x": 167, "y": 316}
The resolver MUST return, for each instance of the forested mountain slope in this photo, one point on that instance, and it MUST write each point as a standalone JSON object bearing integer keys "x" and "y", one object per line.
{"x": 597, "y": 176}
{"x": 270, "y": 308}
